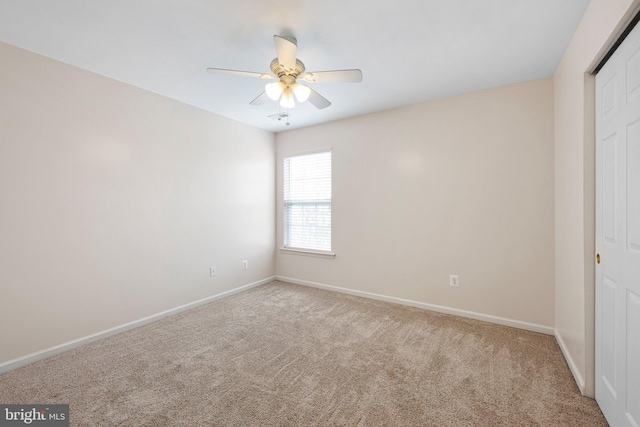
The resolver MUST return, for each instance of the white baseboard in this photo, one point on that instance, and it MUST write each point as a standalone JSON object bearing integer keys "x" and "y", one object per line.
{"x": 52, "y": 351}
{"x": 572, "y": 364}
{"x": 432, "y": 307}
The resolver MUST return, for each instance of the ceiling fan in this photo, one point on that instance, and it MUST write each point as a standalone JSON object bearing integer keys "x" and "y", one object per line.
{"x": 287, "y": 69}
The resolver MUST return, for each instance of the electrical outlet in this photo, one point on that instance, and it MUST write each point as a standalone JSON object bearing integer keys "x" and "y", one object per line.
{"x": 454, "y": 280}
{"x": 245, "y": 264}
{"x": 213, "y": 272}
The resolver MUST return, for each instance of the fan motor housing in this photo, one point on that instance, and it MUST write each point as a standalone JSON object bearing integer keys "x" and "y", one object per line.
{"x": 279, "y": 71}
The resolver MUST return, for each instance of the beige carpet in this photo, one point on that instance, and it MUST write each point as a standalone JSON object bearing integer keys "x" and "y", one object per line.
{"x": 287, "y": 355}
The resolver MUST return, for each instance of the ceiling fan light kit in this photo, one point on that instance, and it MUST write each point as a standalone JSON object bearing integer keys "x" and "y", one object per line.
{"x": 287, "y": 68}
{"x": 301, "y": 92}
{"x": 274, "y": 90}
{"x": 287, "y": 99}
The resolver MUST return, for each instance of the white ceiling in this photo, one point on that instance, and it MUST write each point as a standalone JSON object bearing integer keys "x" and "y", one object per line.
{"x": 408, "y": 50}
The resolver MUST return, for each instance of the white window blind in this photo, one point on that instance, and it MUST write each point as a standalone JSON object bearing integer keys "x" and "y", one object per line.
{"x": 307, "y": 201}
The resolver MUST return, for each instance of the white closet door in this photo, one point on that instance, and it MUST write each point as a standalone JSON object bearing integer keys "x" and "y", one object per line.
{"x": 618, "y": 235}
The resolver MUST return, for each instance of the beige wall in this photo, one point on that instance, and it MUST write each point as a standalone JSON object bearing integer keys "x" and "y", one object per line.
{"x": 114, "y": 203}
{"x": 462, "y": 185}
{"x": 574, "y": 185}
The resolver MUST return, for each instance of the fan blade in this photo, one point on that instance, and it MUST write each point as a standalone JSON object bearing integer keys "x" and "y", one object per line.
{"x": 260, "y": 99}
{"x": 318, "y": 100}
{"x": 287, "y": 51}
{"x": 240, "y": 73}
{"x": 341, "y": 76}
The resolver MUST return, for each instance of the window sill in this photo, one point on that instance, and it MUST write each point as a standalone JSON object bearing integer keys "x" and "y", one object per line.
{"x": 306, "y": 252}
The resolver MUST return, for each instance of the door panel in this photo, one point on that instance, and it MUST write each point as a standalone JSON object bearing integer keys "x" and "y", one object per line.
{"x": 633, "y": 184}
{"x": 633, "y": 357}
{"x": 633, "y": 76}
{"x": 608, "y": 348}
{"x": 609, "y": 188}
{"x": 609, "y": 97}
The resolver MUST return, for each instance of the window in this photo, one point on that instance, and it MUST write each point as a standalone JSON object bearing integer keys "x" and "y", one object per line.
{"x": 307, "y": 202}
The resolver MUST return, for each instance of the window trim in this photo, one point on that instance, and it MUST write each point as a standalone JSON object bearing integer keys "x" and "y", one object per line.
{"x": 308, "y": 252}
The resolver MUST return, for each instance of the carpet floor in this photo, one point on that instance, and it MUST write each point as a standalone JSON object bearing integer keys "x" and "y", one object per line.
{"x": 288, "y": 355}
